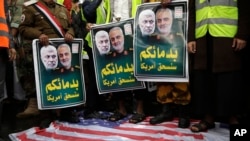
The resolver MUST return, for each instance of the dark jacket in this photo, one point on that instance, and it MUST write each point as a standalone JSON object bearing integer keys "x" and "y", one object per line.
{"x": 89, "y": 10}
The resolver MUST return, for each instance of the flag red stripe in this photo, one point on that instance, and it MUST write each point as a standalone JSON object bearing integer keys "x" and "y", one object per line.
{"x": 106, "y": 133}
{"x": 98, "y": 130}
{"x": 64, "y": 137}
{"x": 166, "y": 131}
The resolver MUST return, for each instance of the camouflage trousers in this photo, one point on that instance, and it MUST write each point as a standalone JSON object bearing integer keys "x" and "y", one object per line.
{"x": 173, "y": 92}
{"x": 25, "y": 69}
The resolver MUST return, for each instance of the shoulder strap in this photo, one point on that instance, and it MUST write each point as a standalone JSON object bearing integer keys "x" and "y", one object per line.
{"x": 53, "y": 20}
{"x": 30, "y": 2}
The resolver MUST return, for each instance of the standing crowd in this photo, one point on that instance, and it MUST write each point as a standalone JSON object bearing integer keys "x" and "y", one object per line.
{"x": 217, "y": 47}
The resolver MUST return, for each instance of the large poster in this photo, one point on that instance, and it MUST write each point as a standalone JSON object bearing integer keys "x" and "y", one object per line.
{"x": 113, "y": 57}
{"x": 59, "y": 73}
{"x": 160, "y": 52}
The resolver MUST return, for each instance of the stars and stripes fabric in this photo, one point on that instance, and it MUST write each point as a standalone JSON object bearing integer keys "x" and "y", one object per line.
{"x": 104, "y": 130}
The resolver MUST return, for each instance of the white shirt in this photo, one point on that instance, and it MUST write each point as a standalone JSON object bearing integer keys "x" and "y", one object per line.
{"x": 121, "y": 10}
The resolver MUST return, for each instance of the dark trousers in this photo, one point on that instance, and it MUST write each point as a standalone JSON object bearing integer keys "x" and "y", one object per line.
{"x": 92, "y": 94}
{"x": 218, "y": 94}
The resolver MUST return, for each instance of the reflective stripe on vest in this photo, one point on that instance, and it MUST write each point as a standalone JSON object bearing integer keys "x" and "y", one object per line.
{"x": 4, "y": 30}
{"x": 218, "y": 17}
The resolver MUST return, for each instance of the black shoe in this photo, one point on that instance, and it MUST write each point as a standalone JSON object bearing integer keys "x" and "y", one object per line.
{"x": 184, "y": 122}
{"x": 116, "y": 116}
{"x": 73, "y": 119}
{"x": 161, "y": 118}
{"x": 94, "y": 114}
{"x": 70, "y": 117}
{"x": 45, "y": 123}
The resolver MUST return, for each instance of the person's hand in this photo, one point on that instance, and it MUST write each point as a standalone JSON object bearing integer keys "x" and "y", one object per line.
{"x": 88, "y": 26}
{"x": 238, "y": 44}
{"x": 191, "y": 47}
{"x": 164, "y": 3}
{"x": 68, "y": 37}
{"x": 12, "y": 54}
{"x": 44, "y": 39}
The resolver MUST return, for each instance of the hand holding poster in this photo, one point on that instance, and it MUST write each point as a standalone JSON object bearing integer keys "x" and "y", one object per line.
{"x": 160, "y": 42}
{"x": 59, "y": 73}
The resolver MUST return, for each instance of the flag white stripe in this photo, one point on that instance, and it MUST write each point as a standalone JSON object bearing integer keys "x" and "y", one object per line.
{"x": 135, "y": 133}
{"x": 113, "y": 132}
{"x": 167, "y": 131}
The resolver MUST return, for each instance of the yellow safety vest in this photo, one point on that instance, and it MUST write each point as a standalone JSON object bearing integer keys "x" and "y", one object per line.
{"x": 60, "y": 1}
{"x": 105, "y": 17}
{"x": 218, "y": 17}
{"x": 4, "y": 30}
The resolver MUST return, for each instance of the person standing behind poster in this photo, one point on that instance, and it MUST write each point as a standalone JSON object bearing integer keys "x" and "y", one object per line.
{"x": 114, "y": 11}
{"x": 42, "y": 19}
{"x": 171, "y": 94}
{"x": 7, "y": 51}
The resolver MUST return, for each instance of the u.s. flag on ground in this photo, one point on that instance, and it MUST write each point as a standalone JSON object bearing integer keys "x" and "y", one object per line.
{"x": 104, "y": 130}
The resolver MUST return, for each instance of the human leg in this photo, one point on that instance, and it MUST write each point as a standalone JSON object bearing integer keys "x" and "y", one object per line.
{"x": 121, "y": 111}
{"x": 164, "y": 96}
{"x": 231, "y": 98}
{"x": 203, "y": 99}
{"x": 2, "y": 73}
{"x": 26, "y": 75}
{"x": 93, "y": 99}
{"x": 184, "y": 116}
{"x": 165, "y": 115}
{"x": 139, "y": 114}
{"x": 203, "y": 95}
{"x": 181, "y": 96}
{"x": 1, "y": 93}
{"x": 203, "y": 125}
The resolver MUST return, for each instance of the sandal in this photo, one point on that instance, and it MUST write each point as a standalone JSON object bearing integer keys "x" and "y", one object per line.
{"x": 137, "y": 118}
{"x": 202, "y": 126}
{"x": 116, "y": 116}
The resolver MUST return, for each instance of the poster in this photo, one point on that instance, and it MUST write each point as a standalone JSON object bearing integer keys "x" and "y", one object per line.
{"x": 59, "y": 73}
{"x": 160, "y": 52}
{"x": 113, "y": 57}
